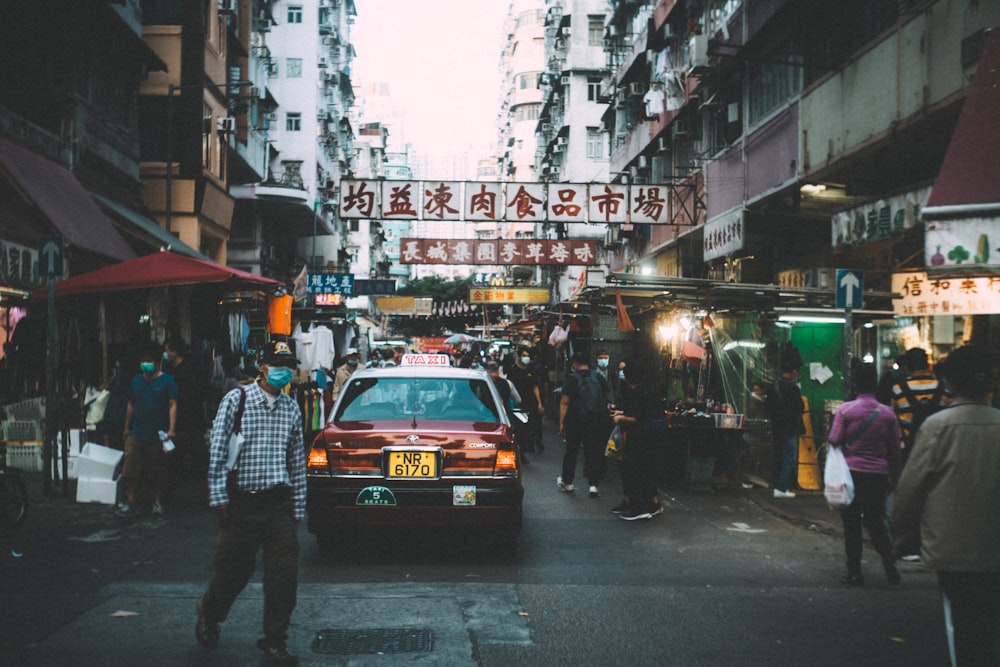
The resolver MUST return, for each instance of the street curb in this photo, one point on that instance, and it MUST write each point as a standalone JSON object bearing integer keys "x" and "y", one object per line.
{"x": 783, "y": 514}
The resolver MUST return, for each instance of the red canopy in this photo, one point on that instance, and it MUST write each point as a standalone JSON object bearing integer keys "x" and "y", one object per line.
{"x": 158, "y": 270}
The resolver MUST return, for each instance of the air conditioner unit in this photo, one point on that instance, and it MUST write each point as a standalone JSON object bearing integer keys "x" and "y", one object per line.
{"x": 321, "y": 116}
{"x": 226, "y": 124}
{"x": 228, "y": 6}
{"x": 698, "y": 51}
{"x": 255, "y": 92}
{"x": 560, "y": 44}
{"x": 555, "y": 98}
{"x": 637, "y": 88}
{"x": 661, "y": 145}
{"x": 643, "y": 162}
{"x": 271, "y": 116}
{"x": 322, "y": 63}
{"x": 561, "y": 141}
{"x": 546, "y": 127}
{"x": 565, "y": 31}
{"x": 272, "y": 68}
{"x": 613, "y": 236}
{"x": 327, "y": 41}
{"x": 564, "y": 80}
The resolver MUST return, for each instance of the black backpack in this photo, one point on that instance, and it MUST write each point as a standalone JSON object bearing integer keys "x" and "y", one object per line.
{"x": 592, "y": 395}
{"x": 922, "y": 408}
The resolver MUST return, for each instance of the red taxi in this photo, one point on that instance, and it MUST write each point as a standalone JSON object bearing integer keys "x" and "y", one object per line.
{"x": 419, "y": 444}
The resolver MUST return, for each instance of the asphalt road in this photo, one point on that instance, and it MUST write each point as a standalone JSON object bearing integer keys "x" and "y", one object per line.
{"x": 717, "y": 579}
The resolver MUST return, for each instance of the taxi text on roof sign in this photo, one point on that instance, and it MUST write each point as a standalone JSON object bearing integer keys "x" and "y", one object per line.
{"x": 425, "y": 360}
{"x": 508, "y": 295}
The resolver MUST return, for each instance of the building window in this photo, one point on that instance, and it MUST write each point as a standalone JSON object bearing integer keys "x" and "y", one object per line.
{"x": 293, "y": 68}
{"x": 295, "y": 14}
{"x": 595, "y": 30}
{"x": 528, "y": 80}
{"x": 353, "y": 224}
{"x": 207, "y": 136}
{"x": 595, "y": 144}
{"x": 527, "y": 112}
{"x": 293, "y": 121}
{"x": 593, "y": 89}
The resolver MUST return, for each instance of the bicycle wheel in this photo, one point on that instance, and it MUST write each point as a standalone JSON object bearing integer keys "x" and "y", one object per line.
{"x": 13, "y": 501}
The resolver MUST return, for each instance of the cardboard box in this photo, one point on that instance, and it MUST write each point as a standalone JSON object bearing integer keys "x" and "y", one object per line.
{"x": 97, "y": 462}
{"x": 97, "y": 491}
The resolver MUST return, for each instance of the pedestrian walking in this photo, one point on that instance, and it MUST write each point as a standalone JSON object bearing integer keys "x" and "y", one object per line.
{"x": 603, "y": 359}
{"x": 151, "y": 409}
{"x": 949, "y": 494}
{"x": 637, "y": 411}
{"x": 261, "y": 505}
{"x": 916, "y": 396}
{"x": 529, "y": 382}
{"x": 344, "y": 372}
{"x": 868, "y": 434}
{"x": 585, "y": 422}
{"x": 785, "y": 409}
{"x": 191, "y": 457}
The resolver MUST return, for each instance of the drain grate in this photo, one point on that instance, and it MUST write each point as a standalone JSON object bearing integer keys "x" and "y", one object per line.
{"x": 373, "y": 641}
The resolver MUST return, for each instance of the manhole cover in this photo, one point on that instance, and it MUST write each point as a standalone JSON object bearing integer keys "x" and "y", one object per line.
{"x": 373, "y": 641}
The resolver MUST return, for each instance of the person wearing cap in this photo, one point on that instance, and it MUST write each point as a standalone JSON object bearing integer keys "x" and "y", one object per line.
{"x": 259, "y": 503}
{"x": 949, "y": 495}
{"x": 344, "y": 371}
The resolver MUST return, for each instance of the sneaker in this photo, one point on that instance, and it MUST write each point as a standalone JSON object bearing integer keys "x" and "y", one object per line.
{"x": 277, "y": 655}
{"x": 657, "y": 509}
{"x": 563, "y": 486}
{"x": 593, "y": 491}
{"x": 783, "y": 494}
{"x": 157, "y": 508}
{"x": 911, "y": 558}
{"x": 127, "y": 510}
{"x": 619, "y": 508}
{"x": 206, "y": 632}
{"x": 634, "y": 515}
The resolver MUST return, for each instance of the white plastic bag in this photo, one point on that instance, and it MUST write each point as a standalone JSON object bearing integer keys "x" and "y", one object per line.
{"x": 838, "y": 485}
{"x": 558, "y": 336}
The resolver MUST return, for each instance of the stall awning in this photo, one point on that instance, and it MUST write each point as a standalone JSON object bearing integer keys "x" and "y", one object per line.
{"x": 159, "y": 270}
{"x": 969, "y": 180}
{"x": 149, "y": 228}
{"x": 57, "y": 194}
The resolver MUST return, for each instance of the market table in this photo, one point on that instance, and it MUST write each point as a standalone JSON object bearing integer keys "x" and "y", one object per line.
{"x": 698, "y": 440}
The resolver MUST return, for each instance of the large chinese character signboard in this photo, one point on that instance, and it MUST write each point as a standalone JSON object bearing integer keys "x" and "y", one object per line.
{"x": 504, "y": 202}
{"x": 923, "y": 295}
{"x": 541, "y": 252}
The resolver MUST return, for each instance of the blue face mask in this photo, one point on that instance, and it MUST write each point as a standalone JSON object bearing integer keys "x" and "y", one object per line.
{"x": 147, "y": 367}
{"x": 352, "y": 362}
{"x": 621, "y": 374}
{"x": 525, "y": 360}
{"x": 166, "y": 356}
{"x": 602, "y": 363}
{"x": 279, "y": 376}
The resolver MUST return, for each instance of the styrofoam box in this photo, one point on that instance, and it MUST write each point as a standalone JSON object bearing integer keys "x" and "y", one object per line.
{"x": 97, "y": 462}
{"x": 96, "y": 491}
{"x": 25, "y": 456}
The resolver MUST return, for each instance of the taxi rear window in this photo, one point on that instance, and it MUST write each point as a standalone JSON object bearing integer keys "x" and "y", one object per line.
{"x": 381, "y": 398}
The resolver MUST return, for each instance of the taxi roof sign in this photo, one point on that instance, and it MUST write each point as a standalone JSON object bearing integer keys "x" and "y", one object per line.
{"x": 425, "y": 360}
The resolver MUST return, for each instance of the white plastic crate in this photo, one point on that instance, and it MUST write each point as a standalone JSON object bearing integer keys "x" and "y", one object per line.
{"x": 33, "y": 408}
{"x": 21, "y": 429}
{"x": 25, "y": 456}
{"x": 723, "y": 420}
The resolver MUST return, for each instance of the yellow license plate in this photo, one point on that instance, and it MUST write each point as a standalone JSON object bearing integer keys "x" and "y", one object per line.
{"x": 412, "y": 464}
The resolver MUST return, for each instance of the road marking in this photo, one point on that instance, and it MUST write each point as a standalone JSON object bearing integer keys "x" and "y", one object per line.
{"x": 740, "y": 527}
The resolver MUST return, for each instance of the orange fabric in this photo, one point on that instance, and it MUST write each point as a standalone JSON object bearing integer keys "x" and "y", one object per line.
{"x": 279, "y": 314}
{"x": 624, "y": 321}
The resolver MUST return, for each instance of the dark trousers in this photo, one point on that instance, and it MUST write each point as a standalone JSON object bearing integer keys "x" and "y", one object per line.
{"x": 868, "y": 509}
{"x": 972, "y": 616}
{"x": 638, "y": 468}
{"x": 592, "y": 439}
{"x": 257, "y": 521}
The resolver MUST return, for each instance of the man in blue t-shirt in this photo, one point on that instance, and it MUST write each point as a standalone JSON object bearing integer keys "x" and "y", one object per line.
{"x": 152, "y": 407}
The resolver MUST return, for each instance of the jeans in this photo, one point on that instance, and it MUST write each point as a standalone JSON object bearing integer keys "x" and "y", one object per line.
{"x": 257, "y": 521}
{"x": 868, "y": 508}
{"x": 787, "y": 449}
{"x": 971, "y": 616}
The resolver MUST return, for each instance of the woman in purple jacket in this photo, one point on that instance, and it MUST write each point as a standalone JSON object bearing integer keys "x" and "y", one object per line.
{"x": 868, "y": 433}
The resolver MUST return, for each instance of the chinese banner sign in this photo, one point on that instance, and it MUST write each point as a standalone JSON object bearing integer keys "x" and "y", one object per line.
{"x": 500, "y": 252}
{"x": 330, "y": 283}
{"x": 503, "y": 202}
{"x": 508, "y": 295}
{"x": 723, "y": 235}
{"x": 924, "y": 295}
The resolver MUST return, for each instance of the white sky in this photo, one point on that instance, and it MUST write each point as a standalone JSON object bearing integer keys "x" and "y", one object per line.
{"x": 441, "y": 59}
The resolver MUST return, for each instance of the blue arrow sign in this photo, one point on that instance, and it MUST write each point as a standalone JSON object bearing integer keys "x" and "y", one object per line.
{"x": 850, "y": 288}
{"x": 50, "y": 253}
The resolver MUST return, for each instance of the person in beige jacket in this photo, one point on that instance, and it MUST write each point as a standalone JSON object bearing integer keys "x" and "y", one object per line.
{"x": 949, "y": 495}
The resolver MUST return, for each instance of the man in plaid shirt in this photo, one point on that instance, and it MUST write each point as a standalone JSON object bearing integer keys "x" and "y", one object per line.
{"x": 260, "y": 506}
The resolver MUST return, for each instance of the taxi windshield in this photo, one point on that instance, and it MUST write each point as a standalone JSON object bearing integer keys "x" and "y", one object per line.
{"x": 453, "y": 399}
